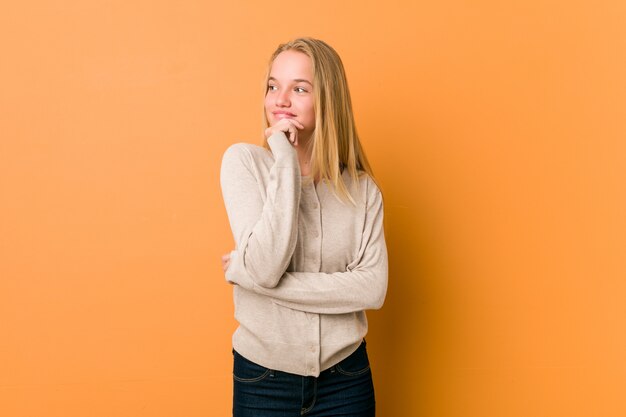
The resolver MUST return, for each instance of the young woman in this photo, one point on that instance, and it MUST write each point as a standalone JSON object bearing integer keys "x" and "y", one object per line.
{"x": 310, "y": 257}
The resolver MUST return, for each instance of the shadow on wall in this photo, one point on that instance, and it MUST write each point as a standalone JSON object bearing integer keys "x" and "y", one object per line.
{"x": 408, "y": 336}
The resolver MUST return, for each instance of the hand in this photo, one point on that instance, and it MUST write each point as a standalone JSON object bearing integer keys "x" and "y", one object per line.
{"x": 225, "y": 261}
{"x": 289, "y": 126}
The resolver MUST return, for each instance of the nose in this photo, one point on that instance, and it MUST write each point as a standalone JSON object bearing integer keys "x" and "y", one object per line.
{"x": 282, "y": 98}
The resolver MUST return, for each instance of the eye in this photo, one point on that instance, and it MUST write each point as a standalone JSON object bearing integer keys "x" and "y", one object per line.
{"x": 271, "y": 87}
{"x": 300, "y": 90}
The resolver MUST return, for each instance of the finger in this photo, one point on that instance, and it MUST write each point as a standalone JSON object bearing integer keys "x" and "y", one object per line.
{"x": 288, "y": 130}
{"x": 295, "y": 123}
{"x": 295, "y": 127}
{"x": 293, "y": 134}
{"x": 295, "y": 137}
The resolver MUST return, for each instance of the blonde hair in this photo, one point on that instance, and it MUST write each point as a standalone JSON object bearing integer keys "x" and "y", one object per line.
{"x": 335, "y": 142}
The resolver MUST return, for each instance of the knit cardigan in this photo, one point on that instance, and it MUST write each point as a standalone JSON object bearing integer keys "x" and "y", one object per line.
{"x": 306, "y": 264}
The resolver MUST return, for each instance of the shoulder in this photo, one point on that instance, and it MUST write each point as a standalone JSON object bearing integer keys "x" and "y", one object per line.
{"x": 374, "y": 194}
{"x": 369, "y": 185}
{"x": 366, "y": 189}
{"x": 248, "y": 155}
{"x": 242, "y": 150}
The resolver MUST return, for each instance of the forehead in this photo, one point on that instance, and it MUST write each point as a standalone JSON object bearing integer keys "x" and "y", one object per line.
{"x": 292, "y": 64}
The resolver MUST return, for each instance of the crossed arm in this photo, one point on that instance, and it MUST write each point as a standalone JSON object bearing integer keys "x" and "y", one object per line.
{"x": 259, "y": 265}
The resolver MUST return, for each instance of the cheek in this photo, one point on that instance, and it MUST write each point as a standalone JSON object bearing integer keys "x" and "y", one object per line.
{"x": 311, "y": 113}
{"x": 267, "y": 110}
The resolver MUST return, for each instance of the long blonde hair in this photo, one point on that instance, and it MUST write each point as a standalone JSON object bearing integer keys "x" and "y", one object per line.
{"x": 335, "y": 142}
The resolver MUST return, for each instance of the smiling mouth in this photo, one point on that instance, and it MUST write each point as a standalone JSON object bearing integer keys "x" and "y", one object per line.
{"x": 284, "y": 115}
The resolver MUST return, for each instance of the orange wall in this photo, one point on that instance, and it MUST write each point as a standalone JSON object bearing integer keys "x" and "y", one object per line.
{"x": 497, "y": 133}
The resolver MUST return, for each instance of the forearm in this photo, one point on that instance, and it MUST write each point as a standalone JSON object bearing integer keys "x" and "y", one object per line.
{"x": 335, "y": 293}
{"x": 362, "y": 287}
{"x": 265, "y": 231}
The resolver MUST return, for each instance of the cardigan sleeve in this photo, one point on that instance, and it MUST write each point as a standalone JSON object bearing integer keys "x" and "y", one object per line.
{"x": 265, "y": 232}
{"x": 362, "y": 287}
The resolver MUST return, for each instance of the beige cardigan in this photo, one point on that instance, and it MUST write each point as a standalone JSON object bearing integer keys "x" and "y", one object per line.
{"x": 306, "y": 264}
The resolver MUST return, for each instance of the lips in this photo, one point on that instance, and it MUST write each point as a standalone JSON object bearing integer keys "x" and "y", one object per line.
{"x": 283, "y": 114}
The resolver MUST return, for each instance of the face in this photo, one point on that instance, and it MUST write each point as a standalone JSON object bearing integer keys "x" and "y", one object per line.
{"x": 290, "y": 91}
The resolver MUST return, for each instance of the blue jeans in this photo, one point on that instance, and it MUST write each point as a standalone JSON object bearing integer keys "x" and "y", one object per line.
{"x": 345, "y": 389}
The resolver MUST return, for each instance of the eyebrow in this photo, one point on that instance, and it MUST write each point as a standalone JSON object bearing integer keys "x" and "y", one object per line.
{"x": 298, "y": 80}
